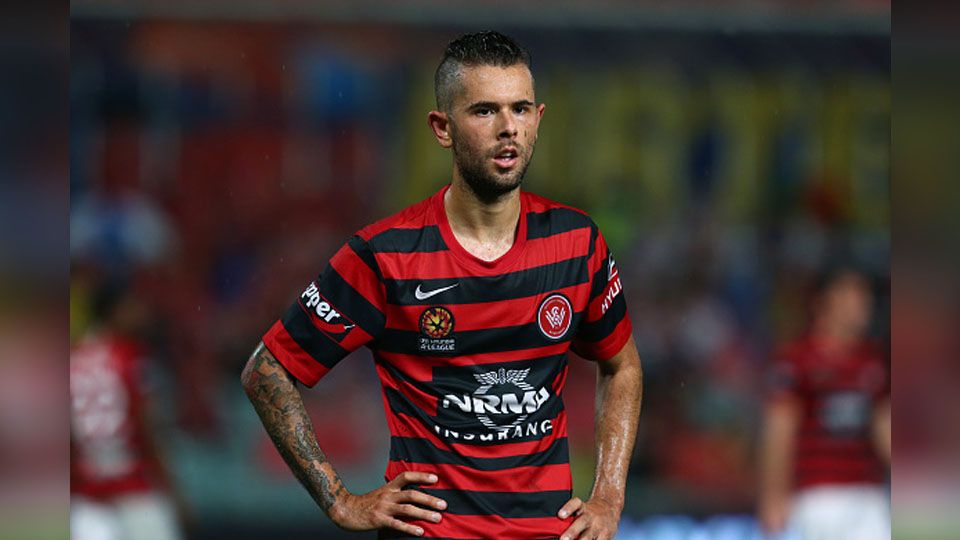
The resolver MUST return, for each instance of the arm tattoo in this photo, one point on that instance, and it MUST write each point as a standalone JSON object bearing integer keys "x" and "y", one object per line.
{"x": 280, "y": 407}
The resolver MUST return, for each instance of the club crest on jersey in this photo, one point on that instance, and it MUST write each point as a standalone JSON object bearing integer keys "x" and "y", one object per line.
{"x": 324, "y": 316}
{"x": 436, "y": 327}
{"x": 555, "y": 315}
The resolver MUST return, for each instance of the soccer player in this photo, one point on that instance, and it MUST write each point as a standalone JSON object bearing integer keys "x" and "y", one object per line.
{"x": 826, "y": 442}
{"x": 469, "y": 301}
{"x": 120, "y": 487}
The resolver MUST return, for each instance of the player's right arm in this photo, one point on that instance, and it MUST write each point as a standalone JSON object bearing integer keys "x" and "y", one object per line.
{"x": 781, "y": 423}
{"x": 279, "y": 404}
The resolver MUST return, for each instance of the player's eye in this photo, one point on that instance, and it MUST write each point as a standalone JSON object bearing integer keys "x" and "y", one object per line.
{"x": 521, "y": 109}
{"x": 484, "y": 111}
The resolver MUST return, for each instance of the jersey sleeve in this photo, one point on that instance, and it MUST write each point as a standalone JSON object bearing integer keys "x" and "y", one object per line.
{"x": 605, "y": 326}
{"x": 339, "y": 312}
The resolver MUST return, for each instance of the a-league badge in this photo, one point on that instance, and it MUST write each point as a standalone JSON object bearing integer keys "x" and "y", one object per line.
{"x": 436, "y": 327}
{"x": 554, "y": 316}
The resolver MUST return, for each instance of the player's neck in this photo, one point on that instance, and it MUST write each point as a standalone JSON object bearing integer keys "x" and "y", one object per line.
{"x": 833, "y": 337}
{"x": 486, "y": 229}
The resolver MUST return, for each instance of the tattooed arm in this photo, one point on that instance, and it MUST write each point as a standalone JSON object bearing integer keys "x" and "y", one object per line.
{"x": 272, "y": 391}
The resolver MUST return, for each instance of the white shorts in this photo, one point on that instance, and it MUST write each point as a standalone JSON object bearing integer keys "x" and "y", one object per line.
{"x": 841, "y": 513}
{"x": 141, "y": 516}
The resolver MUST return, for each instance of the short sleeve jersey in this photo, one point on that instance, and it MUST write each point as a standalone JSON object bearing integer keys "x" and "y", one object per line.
{"x": 471, "y": 354}
{"x": 837, "y": 397}
{"x": 107, "y": 444}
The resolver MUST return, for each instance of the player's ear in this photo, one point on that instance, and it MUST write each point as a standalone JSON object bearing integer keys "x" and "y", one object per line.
{"x": 540, "y": 108}
{"x": 440, "y": 125}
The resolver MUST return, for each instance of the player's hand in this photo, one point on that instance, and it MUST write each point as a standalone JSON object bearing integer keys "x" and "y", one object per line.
{"x": 595, "y": 519}
{"x": 388, "y": 506}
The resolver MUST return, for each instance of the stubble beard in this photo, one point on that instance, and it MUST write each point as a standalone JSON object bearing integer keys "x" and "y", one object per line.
{"x": 488, "y": 188}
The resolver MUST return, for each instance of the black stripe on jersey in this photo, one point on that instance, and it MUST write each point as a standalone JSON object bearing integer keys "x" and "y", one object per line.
{"x": 320, "y": 347}
{"x": 471, "y": 290}
{"x": 507, "y": 504}
{"x": 506, "y": 338}
{"x": 554, "y": 221}
{"x": 600, "y": 278}
{"x": 351, "y": 303}
{"x": 423, "y": 240}
{"x": 413, "y": 450}
{"x": 399, "y": 404}
{"x": 556, "y": 363}
{"x": 362, "y": 249}
{"x": 594, "y": 232}
{"x": 600, "y": 329}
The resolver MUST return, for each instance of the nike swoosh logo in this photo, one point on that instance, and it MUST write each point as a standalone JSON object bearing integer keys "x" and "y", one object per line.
{"x": 423, "y": 295}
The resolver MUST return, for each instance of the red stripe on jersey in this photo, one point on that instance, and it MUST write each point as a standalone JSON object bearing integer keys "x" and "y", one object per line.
{"x": 420, "y": 368}
{"x": 358, "y": 275}
{"x": 443, "y": 265}
{"x": 847, "y": 463}
{"x": 402, "y": 425}
{"x": 538, "y": 204}
{"x": 412, "y": 217}
{"x": 517, "y": 480}
{"x": 560, "y": 380}
{"x": 457, "y": 526}
{"x": 599, "y": 257}
{"x": 288, "y": 352}
{"x": 420, "y": 399}
{"x": 484, "y": 315}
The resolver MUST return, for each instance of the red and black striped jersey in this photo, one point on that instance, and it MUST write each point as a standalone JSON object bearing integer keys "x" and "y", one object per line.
{"x": 837, "y": 397}
{"x": 108, "y": 439}
{"x": 471, "y": 354}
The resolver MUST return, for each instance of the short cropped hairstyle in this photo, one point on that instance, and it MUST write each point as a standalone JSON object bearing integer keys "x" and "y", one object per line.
{"x": 479, "y": 49}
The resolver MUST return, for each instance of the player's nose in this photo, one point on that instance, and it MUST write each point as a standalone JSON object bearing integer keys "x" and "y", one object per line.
{"x": 506, "y": 126}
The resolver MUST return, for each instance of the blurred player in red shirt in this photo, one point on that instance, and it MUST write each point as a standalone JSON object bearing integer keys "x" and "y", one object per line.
{"x": 119, "y": 487}
{"x": 825, "y": 450}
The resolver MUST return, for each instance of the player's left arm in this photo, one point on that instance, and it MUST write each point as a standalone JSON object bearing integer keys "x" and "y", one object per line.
{"x": 619, "y": 392}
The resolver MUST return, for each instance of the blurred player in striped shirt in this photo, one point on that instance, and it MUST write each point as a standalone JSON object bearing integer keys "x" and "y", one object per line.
{"x": 826, "y": 441}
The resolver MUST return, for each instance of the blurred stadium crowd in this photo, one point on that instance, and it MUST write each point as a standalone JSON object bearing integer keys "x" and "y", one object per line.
{"x": 215, "y": 167}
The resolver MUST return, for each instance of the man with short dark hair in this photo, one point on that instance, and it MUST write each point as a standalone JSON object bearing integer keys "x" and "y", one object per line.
{"x": 825, "y": 448}
{"x": 469, "y": 301}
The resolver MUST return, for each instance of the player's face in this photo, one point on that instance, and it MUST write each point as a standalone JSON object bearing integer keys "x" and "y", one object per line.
{"x": 493, "y": 126}
{"x": 851, "y": 302}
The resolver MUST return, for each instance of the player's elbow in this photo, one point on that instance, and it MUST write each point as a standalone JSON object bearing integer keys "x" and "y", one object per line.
{"x": 248, "y": 377}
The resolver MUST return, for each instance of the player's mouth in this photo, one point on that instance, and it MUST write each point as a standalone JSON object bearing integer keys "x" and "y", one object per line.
{"x": 506, "y": 158}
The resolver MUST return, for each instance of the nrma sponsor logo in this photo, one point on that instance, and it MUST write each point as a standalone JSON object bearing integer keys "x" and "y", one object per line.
{"x": 495, "y": 404}
{"x": 528, "y": 402}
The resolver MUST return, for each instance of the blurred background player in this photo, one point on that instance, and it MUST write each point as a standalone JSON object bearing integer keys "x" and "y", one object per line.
{"x": 120, "y": 488}
{"x": 825, "y": 450}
